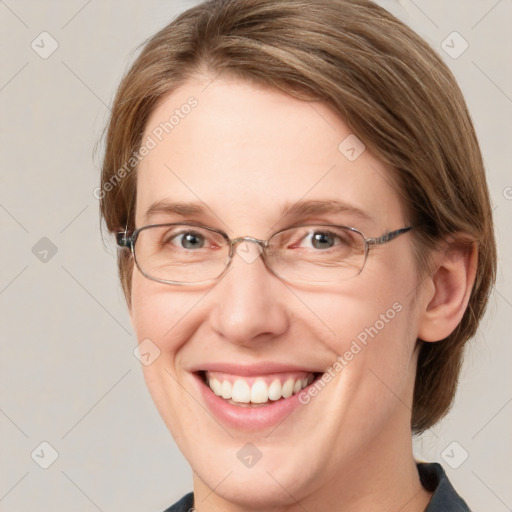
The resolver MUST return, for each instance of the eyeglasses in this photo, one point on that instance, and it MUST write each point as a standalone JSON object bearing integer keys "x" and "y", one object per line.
{"x": 188, "y": 253}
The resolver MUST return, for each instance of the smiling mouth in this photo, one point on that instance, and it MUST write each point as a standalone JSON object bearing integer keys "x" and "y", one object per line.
{"x": 257, "y": 391}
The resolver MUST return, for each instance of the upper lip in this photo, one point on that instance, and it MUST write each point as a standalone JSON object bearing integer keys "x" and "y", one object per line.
{"x": 249, "y": 370}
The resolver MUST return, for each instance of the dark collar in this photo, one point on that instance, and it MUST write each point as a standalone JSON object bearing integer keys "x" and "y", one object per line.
{"x": 444, "y": 497}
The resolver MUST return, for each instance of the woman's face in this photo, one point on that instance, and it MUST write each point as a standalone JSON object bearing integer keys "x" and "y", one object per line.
{"x": 242, "y": 156}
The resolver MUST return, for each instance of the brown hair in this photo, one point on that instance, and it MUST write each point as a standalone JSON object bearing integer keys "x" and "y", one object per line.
{"x": 384, "y": 81}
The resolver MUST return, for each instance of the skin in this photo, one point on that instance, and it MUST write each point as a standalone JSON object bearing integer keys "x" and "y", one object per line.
{"x": 244, "y": 152}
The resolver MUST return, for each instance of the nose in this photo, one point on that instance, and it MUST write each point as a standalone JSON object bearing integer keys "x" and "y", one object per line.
{"x": 249, "y": 301}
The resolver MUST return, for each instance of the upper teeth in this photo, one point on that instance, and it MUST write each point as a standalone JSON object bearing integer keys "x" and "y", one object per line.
{"x": 240, "y": 390}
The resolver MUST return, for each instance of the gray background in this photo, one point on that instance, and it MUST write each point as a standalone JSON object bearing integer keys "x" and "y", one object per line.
{"x": 68, "y": 375}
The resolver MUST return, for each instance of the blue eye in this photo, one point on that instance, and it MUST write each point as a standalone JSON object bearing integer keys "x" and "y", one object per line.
{"x": 188, "y": 240}
{"x": 322, "y": 239}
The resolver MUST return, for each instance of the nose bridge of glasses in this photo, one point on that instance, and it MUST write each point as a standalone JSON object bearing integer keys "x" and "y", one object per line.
{"x": 249, "y": 253}
{"x": 239, "y": 239}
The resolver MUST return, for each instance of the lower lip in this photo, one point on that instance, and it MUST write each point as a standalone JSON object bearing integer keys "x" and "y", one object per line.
{"x": 249, "y": 418}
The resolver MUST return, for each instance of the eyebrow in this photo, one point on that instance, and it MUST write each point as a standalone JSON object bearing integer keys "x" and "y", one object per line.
{"x": 308, "y": 208}
{"x": 165, "y": 206}
{"x": 311, "y": 208}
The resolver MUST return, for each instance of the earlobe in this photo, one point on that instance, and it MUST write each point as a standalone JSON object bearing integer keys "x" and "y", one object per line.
{"x": 452, "y": 282}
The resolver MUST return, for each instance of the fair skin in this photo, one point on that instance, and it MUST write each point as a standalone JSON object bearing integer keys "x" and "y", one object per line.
{"x": 243, "y": 154}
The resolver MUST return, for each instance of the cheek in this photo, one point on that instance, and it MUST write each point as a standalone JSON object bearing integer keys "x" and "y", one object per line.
{"x": 161, "y": 320}
{"x": 159, "y": 315}
{"x": 370, "y": 327}
{"x": 371, "y": 337}
{"x": 146, "y": 309}
{"x": 372, "y": 309}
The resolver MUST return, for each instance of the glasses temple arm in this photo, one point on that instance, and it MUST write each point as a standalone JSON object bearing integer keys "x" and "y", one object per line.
{"x": 388, "y": 236}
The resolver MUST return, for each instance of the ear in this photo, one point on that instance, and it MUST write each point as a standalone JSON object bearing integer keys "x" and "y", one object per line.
{"x": 450, "y": 285}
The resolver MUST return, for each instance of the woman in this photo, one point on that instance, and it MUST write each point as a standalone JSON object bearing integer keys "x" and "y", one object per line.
{"x": 306, "y": 243}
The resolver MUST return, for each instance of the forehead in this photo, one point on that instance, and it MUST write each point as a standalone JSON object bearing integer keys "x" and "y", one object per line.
{"x": 247, "y": 153}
